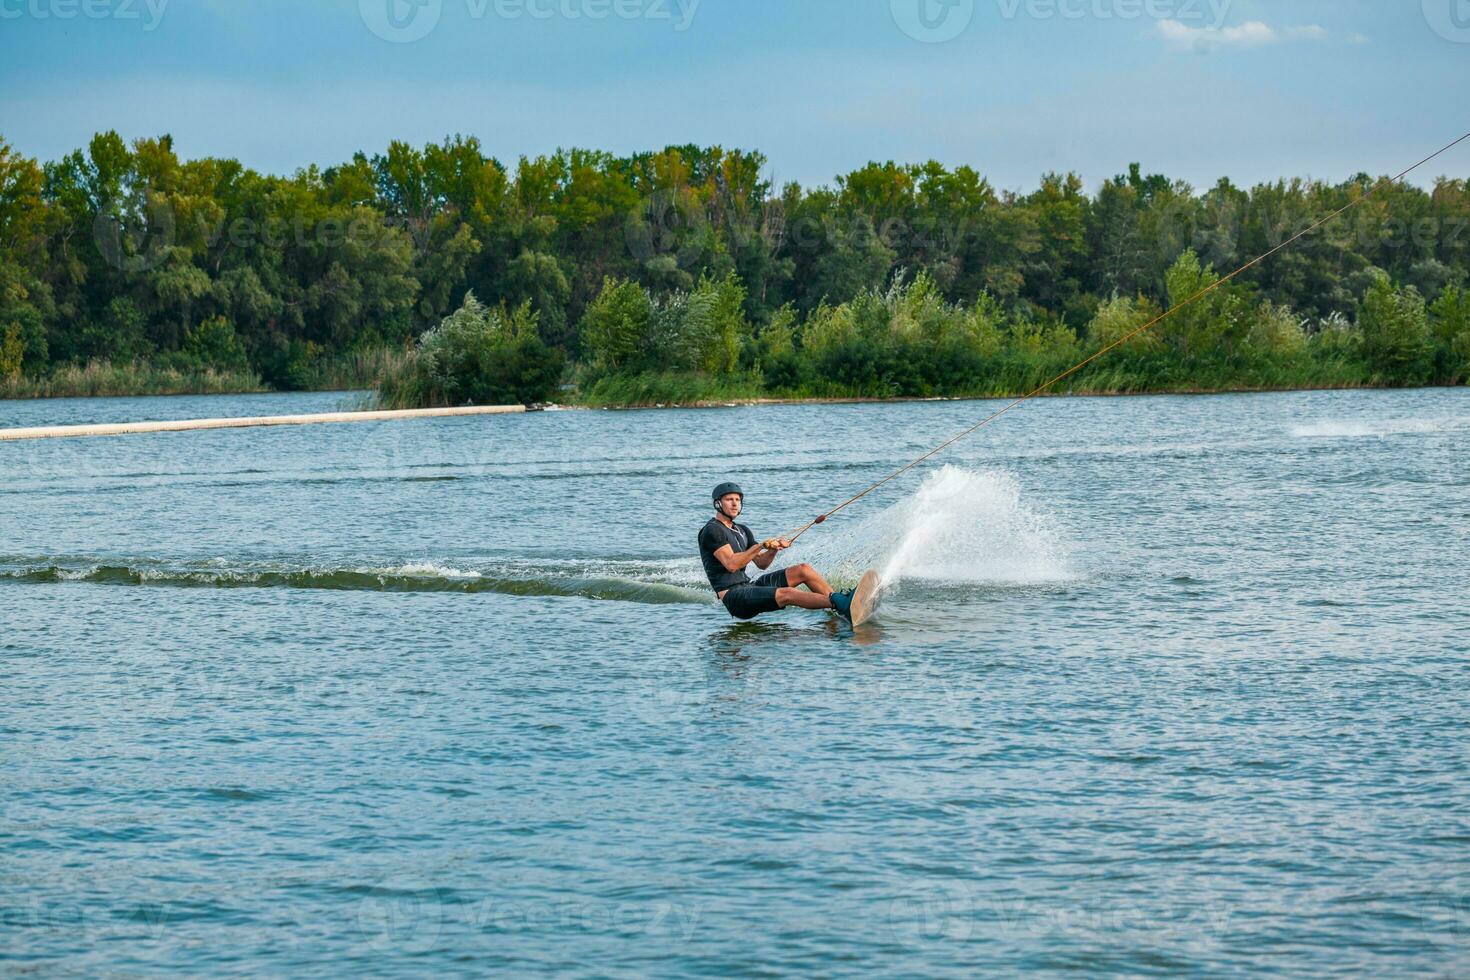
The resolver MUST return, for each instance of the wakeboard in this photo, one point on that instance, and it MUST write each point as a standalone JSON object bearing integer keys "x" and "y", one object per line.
{"x": 865, "y": 598}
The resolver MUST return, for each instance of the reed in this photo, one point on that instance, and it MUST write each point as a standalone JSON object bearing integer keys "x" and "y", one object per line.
{"x": 649, "y": 389}
{"x": 99, "y": 378}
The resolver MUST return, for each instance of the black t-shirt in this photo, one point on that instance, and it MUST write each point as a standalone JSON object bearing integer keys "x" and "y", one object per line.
{"x": 714, "y": 536}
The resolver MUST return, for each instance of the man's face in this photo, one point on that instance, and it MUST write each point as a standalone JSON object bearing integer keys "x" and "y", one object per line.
{"x": 730, "y": 505}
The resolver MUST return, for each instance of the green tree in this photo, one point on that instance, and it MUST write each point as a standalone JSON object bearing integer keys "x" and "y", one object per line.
{"x": 616, "y": 325}
{"x": 25, "y": 308}
{"x": 22, "y": 212}
{"x": 1057, "y": 270}
{"x": 898, "y": 276}
{"x": 1214, "y": 323}
{"x": 1275, "y": 332}
{"x": 120, "y": 334}
{"x": 1450, "y": 315}
{"x": 12, "y": 351}
{"x": 1397, "y": 342}
{"x": 1121, "y": 316}
{"x": 477, "y": 355}
{"x": 537, "y": 278}
{"x": 213, "y": 344}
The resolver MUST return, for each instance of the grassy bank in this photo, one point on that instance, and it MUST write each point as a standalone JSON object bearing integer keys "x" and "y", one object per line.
{"x": 685, "y": 391}
{"x": 351, "y": 371}
{"x": 908, "y": 342}
{"x": 673, "y": 388}
{"x": 681, "y": 390}
{"x": 104, "y": 378}
{"x": 359, "y": 370}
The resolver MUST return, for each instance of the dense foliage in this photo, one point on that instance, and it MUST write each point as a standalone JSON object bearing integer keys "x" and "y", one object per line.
{"x": 684, "y": 271}
{"x": 476, "y": 356}
{"x": 908, "y": 340}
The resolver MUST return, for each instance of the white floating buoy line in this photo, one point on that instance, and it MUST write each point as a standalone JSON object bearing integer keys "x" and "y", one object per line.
{"x": 245, "y": 422}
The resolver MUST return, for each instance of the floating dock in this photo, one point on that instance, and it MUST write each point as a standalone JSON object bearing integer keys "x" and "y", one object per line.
{"x": 186, "y": 425}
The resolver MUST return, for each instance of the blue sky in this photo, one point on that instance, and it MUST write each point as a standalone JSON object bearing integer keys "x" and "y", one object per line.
{"x": 1196, "y": 89}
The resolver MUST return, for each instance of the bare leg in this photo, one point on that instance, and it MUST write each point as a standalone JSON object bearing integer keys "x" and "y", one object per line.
{"x": 805, "y": 574}
{"x": 802, "y": 599}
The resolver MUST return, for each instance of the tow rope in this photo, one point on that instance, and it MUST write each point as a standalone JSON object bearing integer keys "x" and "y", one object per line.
{"x": 821, "y": 518}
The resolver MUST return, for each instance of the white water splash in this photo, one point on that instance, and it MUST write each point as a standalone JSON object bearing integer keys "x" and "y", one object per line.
{"x": 421, "y": 570}
{"x": 962, "y": 527}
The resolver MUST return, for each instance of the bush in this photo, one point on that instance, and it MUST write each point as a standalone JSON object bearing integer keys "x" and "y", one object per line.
{"x": 1276, "y": 332}
{"x": 12, "y": 351}
{"x": 1212, "y": 325}
{"x": 1397, "y": 343}
{"x": 624, "y": 331}
{"x": 25, "y": 305}
{"x": 1451, "y": 319}
{"x": 1119, "y": 317}
{"x": 213, "y": 344}
{"x": 475, "y": 356}
{"x": 908, "y": 341}
{"x": 120, "y": 336}
{"x": 616, "y": 326}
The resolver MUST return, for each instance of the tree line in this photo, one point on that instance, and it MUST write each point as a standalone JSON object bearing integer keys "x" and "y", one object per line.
{"x": 685, "y": 271}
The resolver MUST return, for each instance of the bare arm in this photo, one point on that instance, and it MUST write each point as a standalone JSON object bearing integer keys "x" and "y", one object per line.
{"x": 768, "y": 551}
{"x": 735, "y": 561}
{"x": 762, "y": 554}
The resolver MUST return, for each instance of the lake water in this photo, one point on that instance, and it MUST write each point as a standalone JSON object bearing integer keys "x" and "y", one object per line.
{"x": 1157, "y": 684}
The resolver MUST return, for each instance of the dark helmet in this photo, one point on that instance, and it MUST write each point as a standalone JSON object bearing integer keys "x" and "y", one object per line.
{"x": 727, "y": 488}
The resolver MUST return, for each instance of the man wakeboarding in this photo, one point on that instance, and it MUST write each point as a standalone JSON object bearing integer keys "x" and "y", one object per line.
{"x": 726, "y": 548}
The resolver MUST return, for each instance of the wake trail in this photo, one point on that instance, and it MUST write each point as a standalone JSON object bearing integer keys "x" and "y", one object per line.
{"x": 959, "y": 527}
{"x": 656, "y": 583}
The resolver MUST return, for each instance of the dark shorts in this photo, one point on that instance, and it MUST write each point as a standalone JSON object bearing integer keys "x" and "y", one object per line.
{"x": 753, "y": 598}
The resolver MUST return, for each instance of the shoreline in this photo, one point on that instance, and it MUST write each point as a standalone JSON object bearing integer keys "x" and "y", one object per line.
{"x": 857, "y": 400}
{"x": 756, "y": 401}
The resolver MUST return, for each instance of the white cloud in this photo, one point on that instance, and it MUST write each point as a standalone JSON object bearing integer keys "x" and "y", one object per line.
{"x": 1310, "y": 32}
{"x": 1251, "y": 34}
